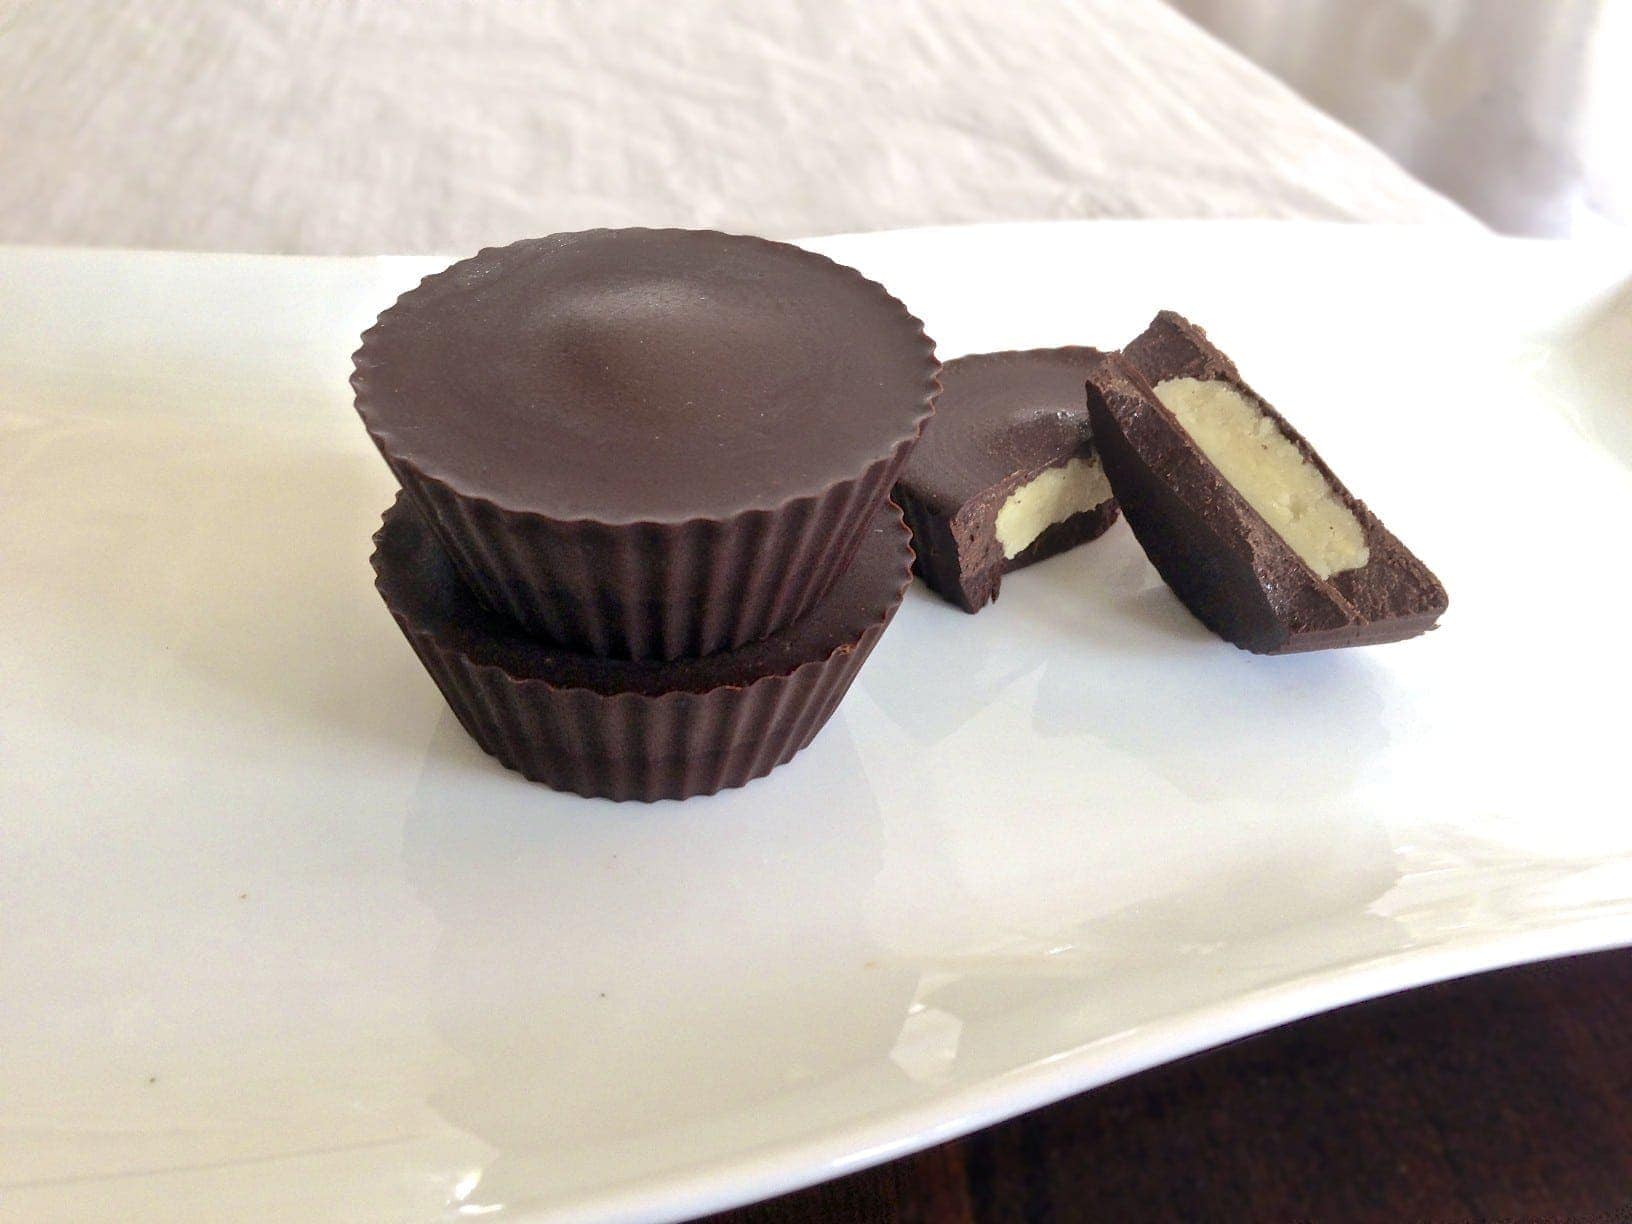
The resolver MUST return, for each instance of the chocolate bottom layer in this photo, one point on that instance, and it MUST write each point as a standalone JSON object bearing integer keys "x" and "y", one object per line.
{"x": 622, "y": 729}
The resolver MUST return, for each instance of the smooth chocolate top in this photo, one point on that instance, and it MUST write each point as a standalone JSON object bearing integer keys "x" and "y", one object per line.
{"x": 999, "y": 414}
{"x": 425, "y": 593}
{"x": 644, "y": 375}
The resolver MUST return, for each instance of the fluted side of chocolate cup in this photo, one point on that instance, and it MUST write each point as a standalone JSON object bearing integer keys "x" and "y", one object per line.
{"x": 637, "y": 730}
{"x": 631, "y": 579}
{"x": 630, "y": 746}
{"x": 654, "y": 590}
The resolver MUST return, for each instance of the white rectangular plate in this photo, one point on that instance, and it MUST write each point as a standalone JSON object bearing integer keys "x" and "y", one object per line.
{"x": 279, "y": 942}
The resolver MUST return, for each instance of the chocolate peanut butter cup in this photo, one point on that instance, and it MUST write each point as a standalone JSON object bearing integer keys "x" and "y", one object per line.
{"x": 1006, "y": 474}
{"x": 647, "y": 444}
{"x": 632, "y": 729}
{"x": 1242, "y": 519}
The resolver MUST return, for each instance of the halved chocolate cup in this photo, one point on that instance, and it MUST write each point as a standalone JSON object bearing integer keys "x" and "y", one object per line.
{"x": 1006, "y": 474}
{"x": 1327, "y": 574}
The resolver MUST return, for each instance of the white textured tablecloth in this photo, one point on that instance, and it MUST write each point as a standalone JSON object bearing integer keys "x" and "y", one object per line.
{"x": 1521, "y": 110}
{"x": 338, "y": 127}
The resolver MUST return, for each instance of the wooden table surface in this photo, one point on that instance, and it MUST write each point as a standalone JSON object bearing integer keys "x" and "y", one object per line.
{"x": 1506, "y": 1096}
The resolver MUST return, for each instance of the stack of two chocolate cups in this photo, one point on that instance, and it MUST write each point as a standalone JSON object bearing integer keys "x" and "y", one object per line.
{"x": 644, "y": 542}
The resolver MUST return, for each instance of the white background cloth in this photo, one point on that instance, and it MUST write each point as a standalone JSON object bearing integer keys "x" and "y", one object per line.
{"x": 1520, "y": 109}
{"x": 327, "y": 126}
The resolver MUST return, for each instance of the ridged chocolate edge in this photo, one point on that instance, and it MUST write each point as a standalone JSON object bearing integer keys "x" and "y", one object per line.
{"x": 652, "y": 590}
{"x": 648, "y": 589}
{"x": 634, "y": 746}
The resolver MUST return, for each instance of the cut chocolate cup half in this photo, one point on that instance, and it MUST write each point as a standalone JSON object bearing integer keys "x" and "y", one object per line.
{"x": 1006, "y": 473}
{"x": 647, "y": 444}
{"x": 1238, "y": 513}
{"x": 625, "y": 729}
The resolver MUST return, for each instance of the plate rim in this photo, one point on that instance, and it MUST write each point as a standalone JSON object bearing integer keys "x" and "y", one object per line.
{"x": 839, "y": 1150}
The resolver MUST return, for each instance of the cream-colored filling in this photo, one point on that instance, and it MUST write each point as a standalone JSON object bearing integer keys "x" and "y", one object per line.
{"x": 1050, "y": 497}
{"x": 1252, "y": 453}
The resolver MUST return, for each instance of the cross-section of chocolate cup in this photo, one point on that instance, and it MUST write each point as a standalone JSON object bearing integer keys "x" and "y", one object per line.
{"x": 626, "y": 729}
{"x": 647, "y": 444}
{"x": 1239, "y": 515}
{"x": 1006, "y": 474}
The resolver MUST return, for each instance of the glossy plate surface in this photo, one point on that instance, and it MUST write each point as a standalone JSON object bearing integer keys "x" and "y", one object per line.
{"x": 278, "y": 942}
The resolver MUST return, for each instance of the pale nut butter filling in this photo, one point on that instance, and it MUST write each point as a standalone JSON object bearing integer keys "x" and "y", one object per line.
{"x": 1250, "y": 451}
{"x": 1050, "y": 497}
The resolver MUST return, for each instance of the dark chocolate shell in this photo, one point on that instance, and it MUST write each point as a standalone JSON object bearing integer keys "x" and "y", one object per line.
{"x": 630, "y": 729}
{"x": 647, "y": 444}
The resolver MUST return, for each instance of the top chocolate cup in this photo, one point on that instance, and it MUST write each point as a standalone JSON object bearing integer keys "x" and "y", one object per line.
{"x": 647, "y": 444}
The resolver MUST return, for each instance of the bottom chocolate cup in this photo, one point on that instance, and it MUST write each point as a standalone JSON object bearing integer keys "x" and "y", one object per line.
{"x": 621, "y": 729}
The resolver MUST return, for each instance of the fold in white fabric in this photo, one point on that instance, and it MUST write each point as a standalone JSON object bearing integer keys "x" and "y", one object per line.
{"x": 1520, "y": 109}
{"x": 445, "y": 124}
